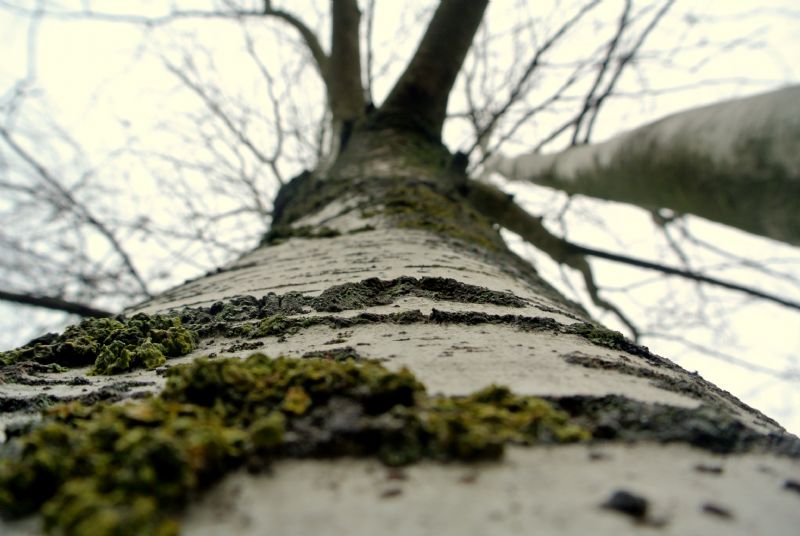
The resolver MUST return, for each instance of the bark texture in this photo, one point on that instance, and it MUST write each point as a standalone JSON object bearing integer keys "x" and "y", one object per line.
{"x": 384, "y": 258}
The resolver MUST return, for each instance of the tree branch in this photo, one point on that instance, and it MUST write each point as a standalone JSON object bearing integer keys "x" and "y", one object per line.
{"x": 501, "y": 208}
{"x": 519, "y": 87}
{"x": 418, "y": 100}
{"x": 73, "y": 204}
{"x": 623, "y": 63}
{"x": 345, "y": 90}
{"x": 309, "y": 38}
{"x": 55, "y": 304}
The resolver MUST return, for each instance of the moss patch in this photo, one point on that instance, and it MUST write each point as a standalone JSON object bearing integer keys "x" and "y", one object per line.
{"x": 129, "y": 468}
{"x": 111, "y": 345}
{"x": 421, "y": 205}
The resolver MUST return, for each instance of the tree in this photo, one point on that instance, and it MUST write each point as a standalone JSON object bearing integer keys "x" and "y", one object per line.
{"x": 390, "y": 252}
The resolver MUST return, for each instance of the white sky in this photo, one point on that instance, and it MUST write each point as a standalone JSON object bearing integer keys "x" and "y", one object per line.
{"x": 104, "y": 82}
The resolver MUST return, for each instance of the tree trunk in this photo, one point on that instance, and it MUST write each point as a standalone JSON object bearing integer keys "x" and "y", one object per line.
{"x": 735, "y": 163}
{"x": 394, "y": 265}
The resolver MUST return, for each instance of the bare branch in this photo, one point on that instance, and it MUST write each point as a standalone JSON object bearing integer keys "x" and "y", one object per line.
{"x": 590, "y": 99}
{"x": 519, "y": 88}
{"x": 308, "y": 36}
{"x": 501, "y": 208}
{"x": 75, "y": 205}
{"x": 632, "y": 261}
{"x": 55, "y": 304}
{"x": 621, "y": 65}
{"x": 418, "y": 100}
{"x": 215, "y": 108}
{"x": 369, "y": 69}
{"x": 345, "y": 91}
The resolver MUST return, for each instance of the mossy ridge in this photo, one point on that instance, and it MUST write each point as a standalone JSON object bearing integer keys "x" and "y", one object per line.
{"x": 709, "y": 426}
{"x": 692, "y": 386}
{"x": 130, "y": 468}
{"x": 279, "y": 234}
{"x": 215, "y": 319}
{"x": 112, "y": 346}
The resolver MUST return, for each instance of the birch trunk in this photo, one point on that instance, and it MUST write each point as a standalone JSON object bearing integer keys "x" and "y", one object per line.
{"x": 734, "y": 162}
{"x": 670, "y": 451}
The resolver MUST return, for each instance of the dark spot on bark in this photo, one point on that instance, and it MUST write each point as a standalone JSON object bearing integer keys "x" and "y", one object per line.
{"x": 391, "y": 492}
{"x": 717, "y": 511}
{"x": 709, "y": 469}
{"x": 334, "y": 354}
{"x": 627, "y": 503}
{"x": 243, "y": 346}
{"x": 396, "y": 473}
{"x": 792, "y": 485}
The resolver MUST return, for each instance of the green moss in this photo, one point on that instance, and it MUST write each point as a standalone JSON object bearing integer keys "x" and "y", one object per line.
{"x": 130, "y": 468}
{"x": 112, "y": 346}
{"x": 418, "y": 205}
{"x": 600, "y": 335}
{"x": 272, "y": 325}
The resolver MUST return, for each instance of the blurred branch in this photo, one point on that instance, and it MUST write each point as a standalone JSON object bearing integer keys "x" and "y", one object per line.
{"x": 56, "y": 304}
{"x": 308, "y": 36}
{"x": 501, "y": 208}
{"x": 345, "y": 90}
{"x": 786, "y": 375}
{"x": 622, "y": 63}
{"x": 215, "y": 109}
{"x": 519, "y": 87}
{"x": 71, "y": 203}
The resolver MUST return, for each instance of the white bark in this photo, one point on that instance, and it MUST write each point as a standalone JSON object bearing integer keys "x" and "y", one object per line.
{"x": 734, "y": 162}
{"x": 558, "y": 490}
{"x": 717, "y": 130}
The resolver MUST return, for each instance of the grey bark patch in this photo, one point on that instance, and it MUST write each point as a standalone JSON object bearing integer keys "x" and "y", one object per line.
{"x": 709, "y": 469}
{"x": 708, "y": 427}
{"x": 110, "y": 393}
{"x": 688, "y": 384}
{"x": 30, "y": 373}
{"x": 336, "y": 354}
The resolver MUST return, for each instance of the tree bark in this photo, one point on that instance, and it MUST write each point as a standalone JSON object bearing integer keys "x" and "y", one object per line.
{"x": 413, "y": 276}
{"x": 735, "y": 163}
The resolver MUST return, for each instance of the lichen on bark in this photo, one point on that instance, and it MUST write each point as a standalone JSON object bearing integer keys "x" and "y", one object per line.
{"x": 129, "y": 468}
{"x": 111, "y": 346}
